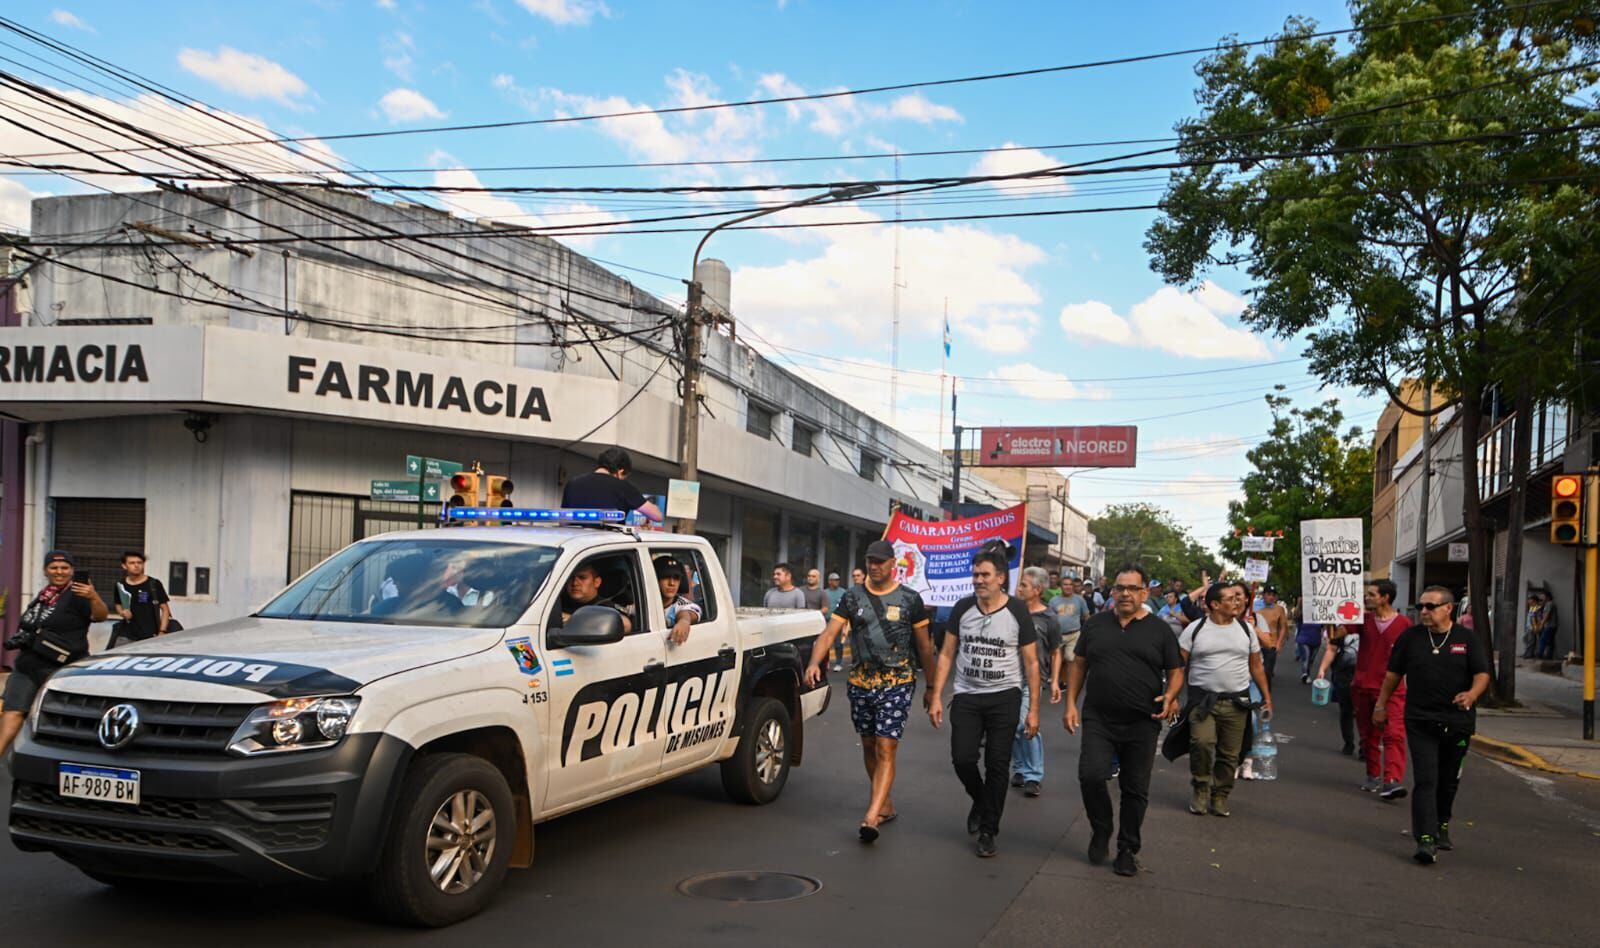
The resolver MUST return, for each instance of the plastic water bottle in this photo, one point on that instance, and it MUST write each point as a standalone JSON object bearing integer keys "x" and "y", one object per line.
{"x": 1320, "y": 689}
{"x": 1265, "y": 754}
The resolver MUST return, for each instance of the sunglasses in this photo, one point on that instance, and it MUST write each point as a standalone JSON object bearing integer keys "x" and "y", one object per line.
{"x": 1126, "y": 589}
{"x": 1431, "y": 605}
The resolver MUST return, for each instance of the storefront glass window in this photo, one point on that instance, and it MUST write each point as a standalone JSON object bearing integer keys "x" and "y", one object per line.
{"x": 758, "y": 552}
{"x": 802, "y": 547}
{"x": 836, "y": 544}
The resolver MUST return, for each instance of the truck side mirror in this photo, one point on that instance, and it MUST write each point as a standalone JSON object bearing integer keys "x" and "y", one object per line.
{"x": 590, "y": 625}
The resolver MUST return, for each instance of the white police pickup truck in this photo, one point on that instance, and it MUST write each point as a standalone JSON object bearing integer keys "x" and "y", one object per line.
{"x": 405, "y": 713}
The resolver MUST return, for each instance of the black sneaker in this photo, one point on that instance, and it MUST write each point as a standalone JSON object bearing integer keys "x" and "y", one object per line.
{"x": 986, "y": 846}
{"x": 1031, "y": 788}
{"x": 1392, "y": 791}
{"x": 972, "y": 821}
{"x": 1427, "y": 851}
{"x": 1099, "y": 848}
{"x": 1126, "y": 865}
{"x": 1016, "y": 780}
{"x": 1349, "y": 750}
{"x": 1443, "y": 842}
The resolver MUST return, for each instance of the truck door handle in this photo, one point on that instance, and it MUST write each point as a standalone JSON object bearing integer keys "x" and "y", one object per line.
{"x": 655, "y": 666}
{"x": 725, "y": 652}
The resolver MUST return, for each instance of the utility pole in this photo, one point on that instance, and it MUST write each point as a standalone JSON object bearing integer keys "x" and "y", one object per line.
{"x": 1591, "y": 588}
{"x": 1421, "y": 573}
{"x": 955, "y": 458}
{"x": 894, "y": 304}
{"x": 694, "y": 320}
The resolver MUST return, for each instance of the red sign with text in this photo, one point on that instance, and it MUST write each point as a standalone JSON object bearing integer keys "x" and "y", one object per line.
{"x": 1093, "y": 446}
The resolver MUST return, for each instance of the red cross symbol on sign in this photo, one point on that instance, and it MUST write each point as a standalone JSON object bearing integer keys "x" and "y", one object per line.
{"x": 1348, "y": 610}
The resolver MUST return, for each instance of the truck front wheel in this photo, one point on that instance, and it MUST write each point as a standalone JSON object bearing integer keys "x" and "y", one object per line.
{"x": 759, "y": 768}
{"x": 448, "y": 846}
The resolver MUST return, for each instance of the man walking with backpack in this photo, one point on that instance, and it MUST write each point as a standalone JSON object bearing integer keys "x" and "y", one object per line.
{"x": 1222, "y": 656}
{"x": 141, "y": 602}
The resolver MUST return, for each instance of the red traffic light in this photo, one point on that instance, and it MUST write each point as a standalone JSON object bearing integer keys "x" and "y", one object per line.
{"x": 1567, "y": 485}
{"x": 460, "y": 482}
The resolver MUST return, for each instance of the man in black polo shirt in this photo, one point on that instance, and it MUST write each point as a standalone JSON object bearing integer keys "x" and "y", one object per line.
{"x": 607, "y": 488}
{"x": 1120, "y": 661}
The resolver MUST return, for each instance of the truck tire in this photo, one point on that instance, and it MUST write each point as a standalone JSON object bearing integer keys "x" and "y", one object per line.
{"x": 759, "y": 767}
{"x": 436, "y": 867}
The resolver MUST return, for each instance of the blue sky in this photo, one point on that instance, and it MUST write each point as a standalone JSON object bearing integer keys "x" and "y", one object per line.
{"x": 1048, "y": 314}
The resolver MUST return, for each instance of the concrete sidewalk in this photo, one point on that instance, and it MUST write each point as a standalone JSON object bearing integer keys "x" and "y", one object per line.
{"x": 1546, "y": 733}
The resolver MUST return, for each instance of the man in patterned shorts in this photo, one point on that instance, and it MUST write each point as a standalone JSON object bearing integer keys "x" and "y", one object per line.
{"x": 886, "y": 620}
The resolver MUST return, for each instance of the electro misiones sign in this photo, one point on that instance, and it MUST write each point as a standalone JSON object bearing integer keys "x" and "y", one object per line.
{"x": 1092, "y": 446}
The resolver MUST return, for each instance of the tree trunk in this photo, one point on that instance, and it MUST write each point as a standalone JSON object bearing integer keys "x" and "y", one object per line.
{"x": 1478, "y": 565}
{"x": 1510, "y": 598}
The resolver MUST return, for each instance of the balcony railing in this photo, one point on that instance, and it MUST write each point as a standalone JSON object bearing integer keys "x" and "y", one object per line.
{"x": 1552, "y": 426}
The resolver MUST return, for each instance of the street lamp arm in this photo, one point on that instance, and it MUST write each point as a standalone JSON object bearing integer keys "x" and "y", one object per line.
{"x": 836, "y": 193}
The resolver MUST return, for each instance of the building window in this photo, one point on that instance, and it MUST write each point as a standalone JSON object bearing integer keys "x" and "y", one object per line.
{"x": 1384, "y": 472}
{"x": 758, "y": 541}
{"x": 869, "y": 466}
{"x": 802, "y": 440}
{"x": 758, "y": 421}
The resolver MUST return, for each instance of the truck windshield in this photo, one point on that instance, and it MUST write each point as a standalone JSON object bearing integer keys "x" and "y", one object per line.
{"x": 419, "y": 582}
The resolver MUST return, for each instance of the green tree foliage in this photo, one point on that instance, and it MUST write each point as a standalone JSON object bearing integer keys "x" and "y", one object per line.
{"x": 1420, "y": 200}
{"x": 1306, "y": 469}
{"x": 1145, "y": 533}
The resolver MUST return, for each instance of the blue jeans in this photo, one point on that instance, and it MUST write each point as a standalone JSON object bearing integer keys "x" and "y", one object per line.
{"x": 1027, "y": 754}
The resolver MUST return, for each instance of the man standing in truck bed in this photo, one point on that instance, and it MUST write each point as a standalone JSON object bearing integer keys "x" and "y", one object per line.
{"x": 886, "y": 621}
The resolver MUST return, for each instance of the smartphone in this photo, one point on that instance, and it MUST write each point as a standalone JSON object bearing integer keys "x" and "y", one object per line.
{"x": 82, "y": 576}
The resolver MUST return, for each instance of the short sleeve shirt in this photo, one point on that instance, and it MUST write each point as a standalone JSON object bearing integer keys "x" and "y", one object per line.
{"x": 143, "y": 602}
{"x": 815, "y": 598}
{"x": 1372, "y": 660}
{"x": 989, "y": 645}
{"x": 599, "y": 491}
{"x": 1219, "y": 655}
{"x": 1069, "y": 611}
{"x": 882, "y": 634}
{"x": 1126, "y": 666}
{"x": 1434, "y": 678}
{"x": 778, "y": 599}
{"x": 1048, "y": 631}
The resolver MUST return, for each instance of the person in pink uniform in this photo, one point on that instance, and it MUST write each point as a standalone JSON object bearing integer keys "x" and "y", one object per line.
{"x": 1383, "y": 746}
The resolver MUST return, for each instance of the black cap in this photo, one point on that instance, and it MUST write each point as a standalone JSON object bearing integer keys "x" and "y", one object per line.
{"x": 1270, "y": 589}
{"x": 880, "y": 550}
{"x": 59, "y": 556}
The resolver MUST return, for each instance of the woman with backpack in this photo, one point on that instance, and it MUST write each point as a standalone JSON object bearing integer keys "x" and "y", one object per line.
{"x": 53, "y": 631}
{"x": 1338, "y": 665}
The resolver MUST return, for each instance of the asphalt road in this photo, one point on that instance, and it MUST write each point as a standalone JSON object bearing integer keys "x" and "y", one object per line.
{"x": 1306, "y": 857}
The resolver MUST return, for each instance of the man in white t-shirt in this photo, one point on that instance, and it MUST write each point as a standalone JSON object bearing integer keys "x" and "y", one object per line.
{"x": 1223, "y": 657}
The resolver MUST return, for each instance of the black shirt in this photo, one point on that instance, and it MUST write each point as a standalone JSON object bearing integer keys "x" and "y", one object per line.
{"x": 882, "y": 634}
{"x": 1433, "y": 680}
{"x": 1127, "y": 666}
{"x": 66, "y": 625}
{"x": 599, "y": 491}
{"x": 143, "y": 601}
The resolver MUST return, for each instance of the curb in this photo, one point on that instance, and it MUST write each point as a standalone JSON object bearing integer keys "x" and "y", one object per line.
{"x": 1519, "y": 756}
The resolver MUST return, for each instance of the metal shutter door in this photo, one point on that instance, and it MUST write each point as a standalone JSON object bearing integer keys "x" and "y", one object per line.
{"x": 97, "y": 532}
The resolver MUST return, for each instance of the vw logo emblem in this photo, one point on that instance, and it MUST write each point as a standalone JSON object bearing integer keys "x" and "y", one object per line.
{"x": 118, "y": 725}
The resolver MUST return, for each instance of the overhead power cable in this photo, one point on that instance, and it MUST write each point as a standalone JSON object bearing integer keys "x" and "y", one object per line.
{"x": 840, "y": 93}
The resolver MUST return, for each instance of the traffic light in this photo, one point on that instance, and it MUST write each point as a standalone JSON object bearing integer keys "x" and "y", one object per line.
{"x": 499, "y": 491}
{"x": 463, "y": 489}
{"x": 1566, "y": 509}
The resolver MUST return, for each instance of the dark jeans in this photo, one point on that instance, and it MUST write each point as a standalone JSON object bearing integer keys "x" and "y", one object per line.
{"x": 990, "y": 719}
{"x": 1269, "y": 658}
{"x": 1437, "y": 753}
{"x": 1347, "y": 711}
{"x": 1133, "y": 745}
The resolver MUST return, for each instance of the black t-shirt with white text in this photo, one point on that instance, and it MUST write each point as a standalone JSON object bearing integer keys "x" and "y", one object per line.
{"x": 1127, "y": 666}
{"x": 143, "y": 601}
{"x": 599, "y": 491}
{"x": 1434, "y": 679}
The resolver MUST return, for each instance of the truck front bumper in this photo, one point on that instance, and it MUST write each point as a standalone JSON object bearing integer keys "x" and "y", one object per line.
{"x": 317, "y": 814}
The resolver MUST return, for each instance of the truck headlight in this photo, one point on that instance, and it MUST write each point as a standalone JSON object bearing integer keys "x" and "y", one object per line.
{"x": 294, "y": 724}
{"x": 33, "y": 712}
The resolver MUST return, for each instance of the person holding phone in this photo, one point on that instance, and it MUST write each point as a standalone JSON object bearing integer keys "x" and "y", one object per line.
{"x": 142, "y": 603}
{"x": 53, "y": 630}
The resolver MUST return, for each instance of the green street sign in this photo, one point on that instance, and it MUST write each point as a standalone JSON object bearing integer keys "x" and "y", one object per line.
{"x": 433, "y": 467}
{"x": 401, "y": 490}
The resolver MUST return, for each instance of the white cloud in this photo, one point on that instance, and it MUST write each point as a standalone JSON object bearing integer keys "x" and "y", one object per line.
{"x": 70, "y": 20}
{"x": 188, "y": 125}
{"x": 1184, "y": 324}
{"x": 246, "y": 74}
{"x": 386, "y": 5}
{"x": 408, "y": 105}
{"x": 493, "y": 207}
{"x": 566, "y": 12}
{"x": 722, "y": 134}
{"x": 15, "y": 210}
{"x": 397, "y": 51}
{"x": 1018, "y": 161}
{"x": 1002, "y": 331}
{"x": 840, "y": 114}
{"x": 1025, "y": 378}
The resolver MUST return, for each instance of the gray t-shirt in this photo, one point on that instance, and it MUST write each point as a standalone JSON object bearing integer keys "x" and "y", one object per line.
{"x": 778, "y": 599}
{"x": 989, "y": 645}
{"x": 815, "y": 598}
{"x": 1219, "y": 655}
{"x": 1069, "y": 612}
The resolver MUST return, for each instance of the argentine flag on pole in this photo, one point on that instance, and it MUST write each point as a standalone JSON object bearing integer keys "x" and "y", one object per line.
{"x": 947, "y": 335}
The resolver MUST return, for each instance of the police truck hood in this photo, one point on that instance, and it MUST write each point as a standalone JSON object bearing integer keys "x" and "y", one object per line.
{"x": 281, "y": 658}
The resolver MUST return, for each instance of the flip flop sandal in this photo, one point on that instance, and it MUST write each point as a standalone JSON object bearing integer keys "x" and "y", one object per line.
{"x": 888, "y": 819}
{"x": 869, "y": 833}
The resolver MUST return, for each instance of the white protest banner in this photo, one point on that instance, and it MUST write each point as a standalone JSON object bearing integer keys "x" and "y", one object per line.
{"x": 1332, "y": 554}
{"x": 1252, "y": 544}
{"x": 1255, "y": 571}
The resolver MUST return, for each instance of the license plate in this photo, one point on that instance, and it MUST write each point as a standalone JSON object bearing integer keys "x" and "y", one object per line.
{"x": 105, "y": 784}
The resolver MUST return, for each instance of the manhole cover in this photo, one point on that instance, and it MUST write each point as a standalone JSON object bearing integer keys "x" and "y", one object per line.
{"x": 747, "y": 886}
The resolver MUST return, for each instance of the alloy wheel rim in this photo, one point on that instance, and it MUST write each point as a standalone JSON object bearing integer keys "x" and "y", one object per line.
{"x": 461, "y": 840}
{"x": 769, "y": 752}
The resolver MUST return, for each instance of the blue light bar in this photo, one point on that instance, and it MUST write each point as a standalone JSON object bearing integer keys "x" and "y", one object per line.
{"x": 532, "y": 515}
